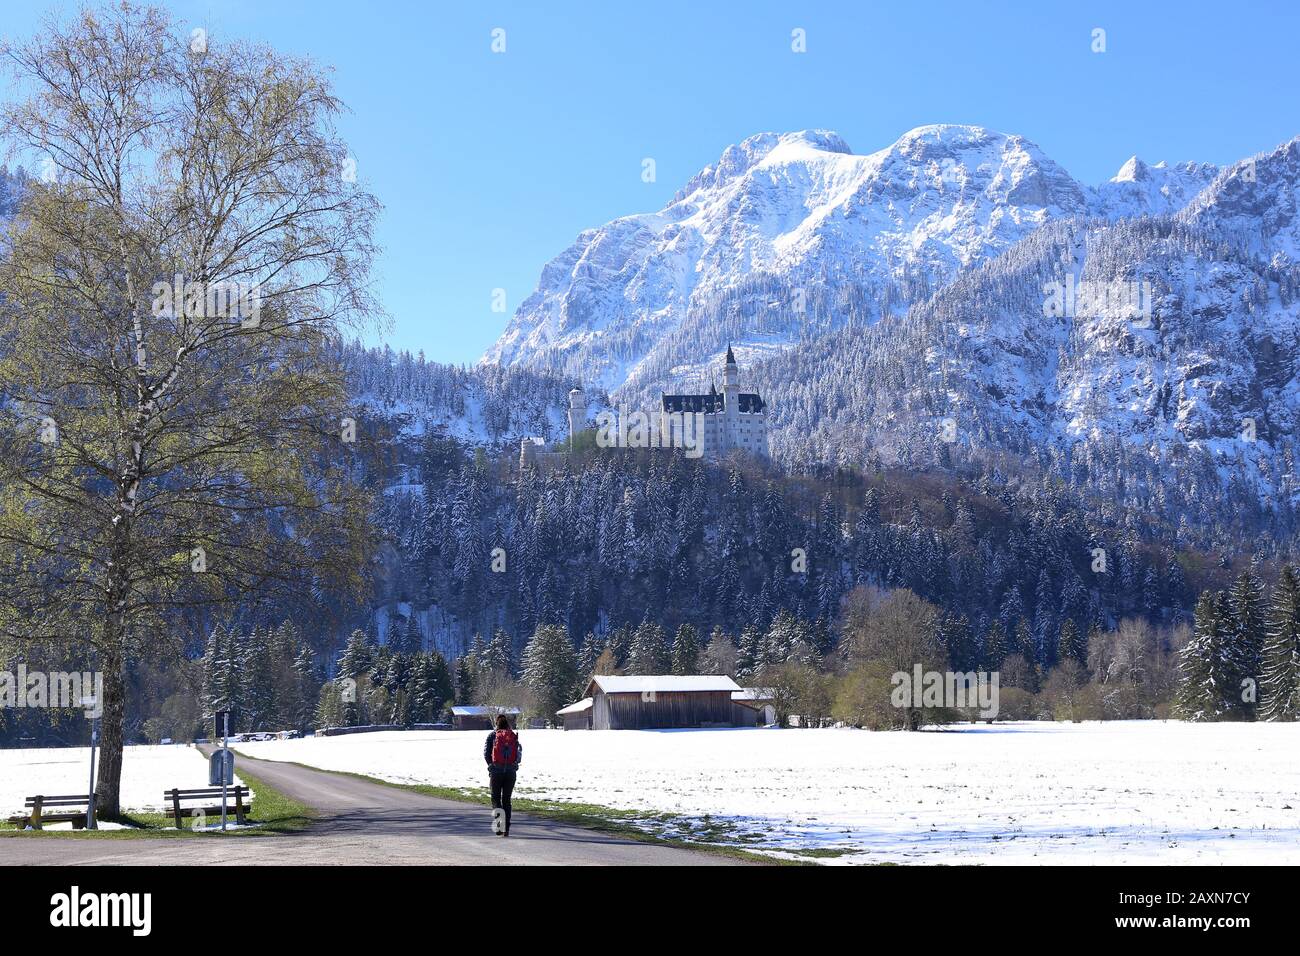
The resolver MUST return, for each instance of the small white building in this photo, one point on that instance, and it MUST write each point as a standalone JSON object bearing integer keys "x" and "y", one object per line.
{"x": 759, "y": 699}
{"x": 576, "y": 716}
{"x": 476, "y": 717}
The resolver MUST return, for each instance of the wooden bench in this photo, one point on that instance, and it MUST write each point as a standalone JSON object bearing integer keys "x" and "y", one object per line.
{"x": 176, "y": 797}
{"x": 40, "y": 803}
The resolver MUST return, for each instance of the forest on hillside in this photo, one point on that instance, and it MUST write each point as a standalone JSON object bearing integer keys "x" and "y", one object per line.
{"x": 474, "y": 556}
{"x": 646, "y": 562}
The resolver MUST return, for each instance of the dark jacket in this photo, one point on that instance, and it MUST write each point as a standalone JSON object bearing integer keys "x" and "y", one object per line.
{"x": 487, "y": 754}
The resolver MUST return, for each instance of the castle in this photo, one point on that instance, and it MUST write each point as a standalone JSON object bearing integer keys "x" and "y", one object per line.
{"x": 711, "y": 425}
{"x": 731, "y": 420}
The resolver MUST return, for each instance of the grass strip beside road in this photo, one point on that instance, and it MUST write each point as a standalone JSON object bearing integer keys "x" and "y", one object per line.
{"x": 272, "y": 813}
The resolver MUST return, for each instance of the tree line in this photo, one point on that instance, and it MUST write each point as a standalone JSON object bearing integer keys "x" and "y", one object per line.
{"x": 1243, "y": 660}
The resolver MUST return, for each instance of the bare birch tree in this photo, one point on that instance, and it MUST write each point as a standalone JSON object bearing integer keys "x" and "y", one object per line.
{"x": 173, "y": 426}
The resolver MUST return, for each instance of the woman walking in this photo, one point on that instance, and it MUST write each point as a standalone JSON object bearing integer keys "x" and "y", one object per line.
{"x": 502, "y": 753}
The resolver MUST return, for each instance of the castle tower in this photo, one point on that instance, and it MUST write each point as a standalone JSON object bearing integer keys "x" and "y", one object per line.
{"x": 529, "y": 449}
{"x": 731, "y": 371}
{"x": 731, "y": 403}
{"x": 577, "y": 414}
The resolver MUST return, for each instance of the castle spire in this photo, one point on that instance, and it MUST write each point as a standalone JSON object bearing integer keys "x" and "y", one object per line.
{"x": 731, "y": 359}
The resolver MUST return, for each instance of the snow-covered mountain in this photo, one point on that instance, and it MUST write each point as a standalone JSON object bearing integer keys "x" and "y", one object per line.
{"x": 1253, "y": 205}
{"x": 1139, "y": 189}
{"x": 1199, "y": 390}
{"x": 923, "y": 271}
{"x": 788, "y": 236}
{"x": 1217, "y": 356}
{"x": 785, "y": 236}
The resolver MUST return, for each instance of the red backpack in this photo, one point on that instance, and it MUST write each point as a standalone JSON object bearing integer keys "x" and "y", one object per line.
{"x": 505, "y": 748}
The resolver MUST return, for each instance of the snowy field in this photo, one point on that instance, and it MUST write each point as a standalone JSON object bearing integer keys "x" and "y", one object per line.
{"x": 1016, "y": 793}
{"x": 146, "y": 773}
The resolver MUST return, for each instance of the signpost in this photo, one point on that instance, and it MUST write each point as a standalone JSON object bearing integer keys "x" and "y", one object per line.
{"x": 227, "y": 764}
{"x": 89, "y": 703}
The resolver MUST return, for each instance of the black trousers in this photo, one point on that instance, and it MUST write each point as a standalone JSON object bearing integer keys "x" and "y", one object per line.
{"x": 503, "y": 784}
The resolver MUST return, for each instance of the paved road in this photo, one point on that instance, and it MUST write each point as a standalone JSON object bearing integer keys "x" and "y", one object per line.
{"x": 365, "y": 823}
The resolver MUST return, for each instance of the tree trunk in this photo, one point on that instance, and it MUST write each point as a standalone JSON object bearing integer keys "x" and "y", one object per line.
{"x": 108, "y": 783}
{"x": 108, "y": 779}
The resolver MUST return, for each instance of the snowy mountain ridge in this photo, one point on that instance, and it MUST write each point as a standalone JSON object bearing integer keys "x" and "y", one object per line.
{"x": 790, "y": 235}
{"x": 797, "y": 212}
{"x": 793, "y": 248}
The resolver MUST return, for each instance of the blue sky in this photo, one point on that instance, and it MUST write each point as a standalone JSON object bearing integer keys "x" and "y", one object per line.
{"x": 489, "y": 164}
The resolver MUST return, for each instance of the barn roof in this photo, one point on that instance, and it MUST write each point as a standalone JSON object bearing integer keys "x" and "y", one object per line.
{"x": 662, "y": 683}
{"x": 754, "y": 693}
{"x": 579, "y": 707}
{"x": 478, "y": 711}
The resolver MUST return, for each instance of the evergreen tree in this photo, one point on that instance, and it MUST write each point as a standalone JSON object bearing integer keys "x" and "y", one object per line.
{"x": 393, "y": 670}
{"x": 465, "y": 689}
{"x": 1072, "y": 645}
{"x": 1226, "y": 663}
{"x": 307, "y": 689}
{"x": 1280, "y": 682}
{"x": 780, "y": 642}
{"x": 820, "y": 637}
{"x": 438, "y": 686}
{"x": 550, "y": 668}
{"x": 995, "y": 646}
{"x": 419, "y": 703}
{"x": 588, "y": 654}
{"x": 1045, "y": 623}
{"x": 1245, "y": 642}
{"x": 1200, "y": 694}
{"x": 222, "y": 687}
{"x": 330, "y": 711}
{"x": 619, "y": 645}
{"x": 495, "y": 657}
{"x": 358, "y": 656}
{"x": 259, "y": 690}
{"x": 749, "y": 659}
{"x": 649, "y": 653}
{"x": 686, "y": 651}
{"x": 1013, "y": 608}
{"x": 398, "y": 711}
{"x": 1023, "y": 641}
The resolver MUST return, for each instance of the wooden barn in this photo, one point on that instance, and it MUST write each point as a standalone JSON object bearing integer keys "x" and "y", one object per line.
{"x": 576, "y": 716}
{"x": 659, "y": 701}
{"x": 467, "y": 717}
